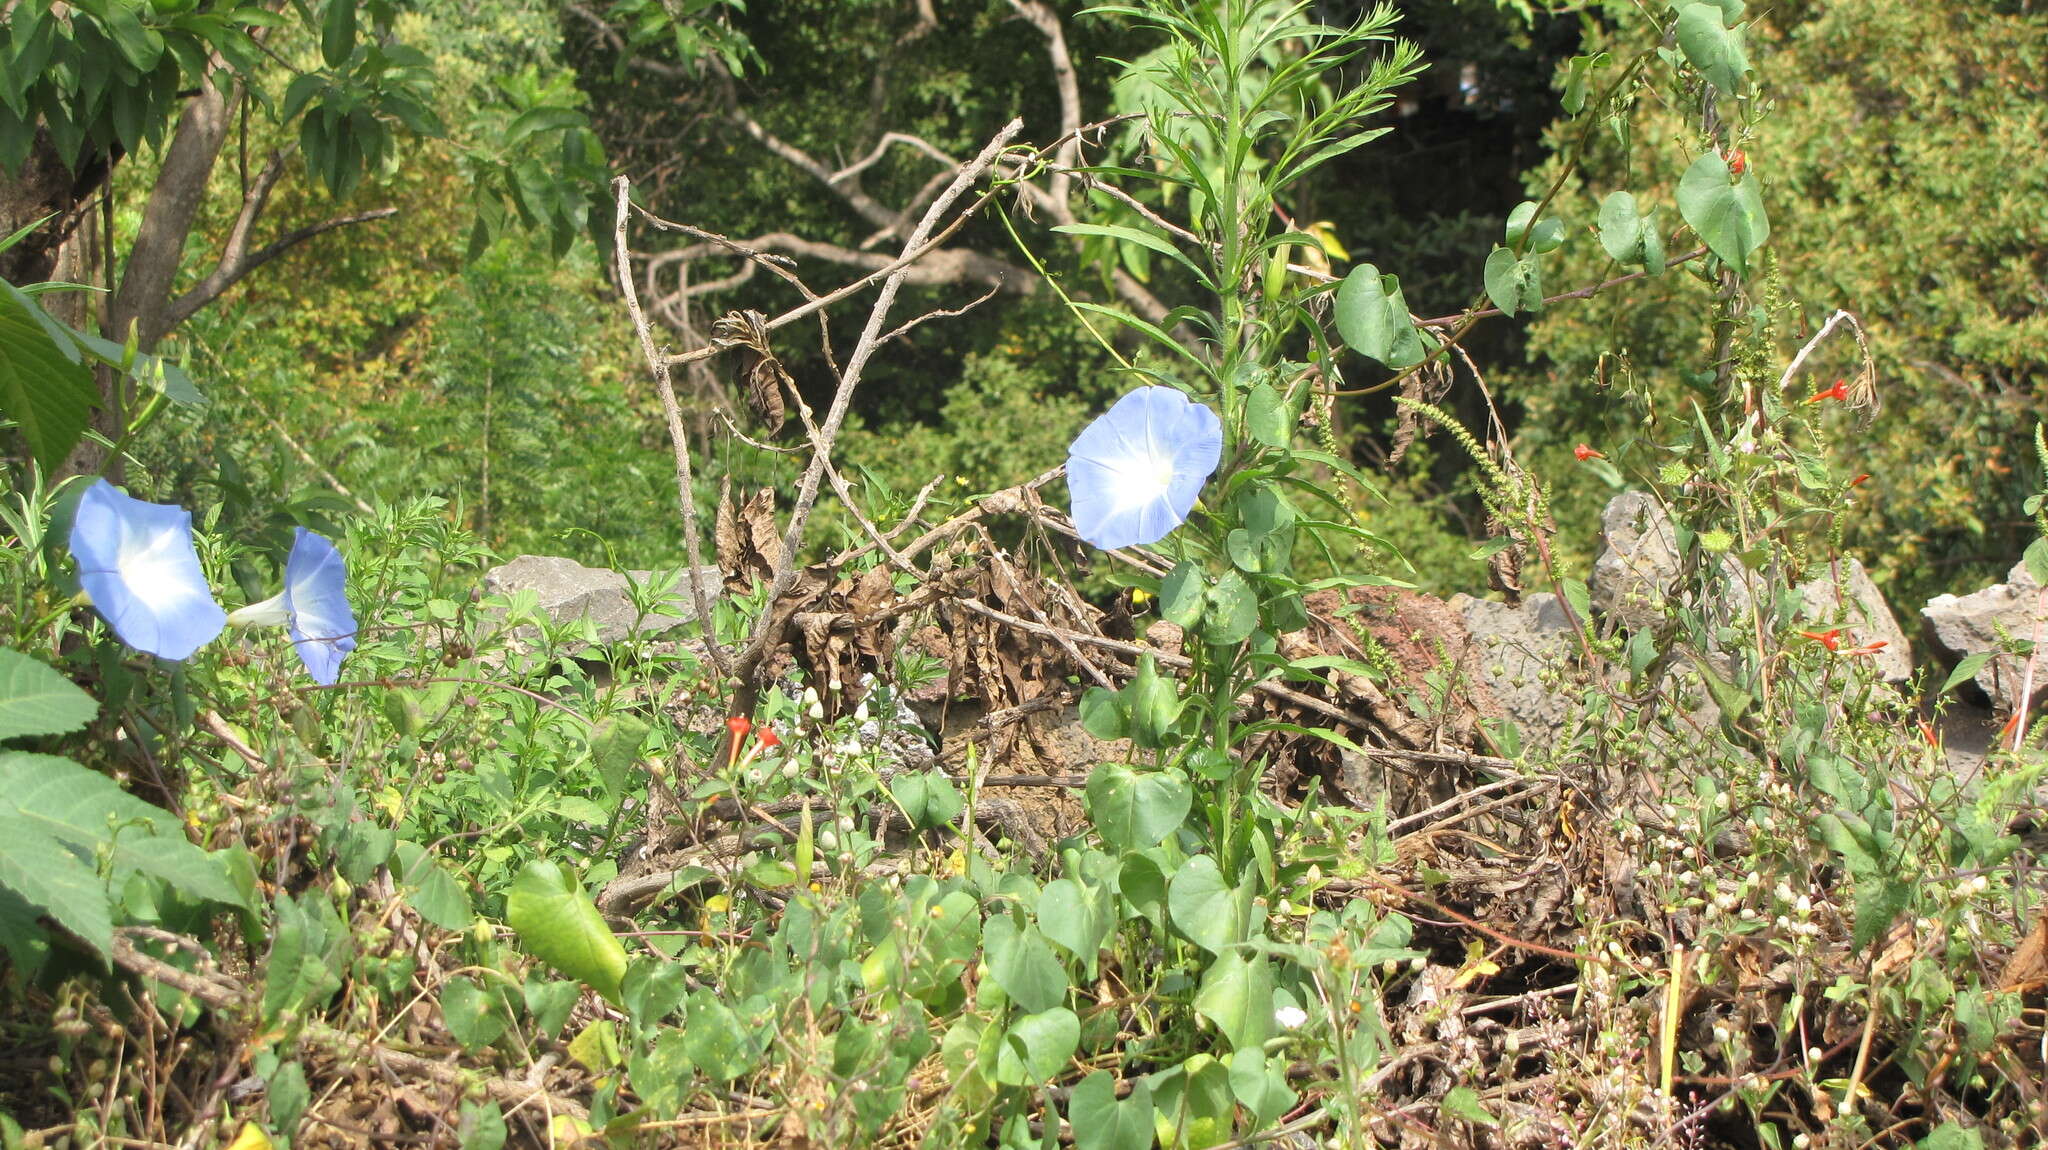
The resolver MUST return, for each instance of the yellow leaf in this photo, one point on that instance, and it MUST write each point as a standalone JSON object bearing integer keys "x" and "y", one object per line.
{"x": 1325, "y": 233}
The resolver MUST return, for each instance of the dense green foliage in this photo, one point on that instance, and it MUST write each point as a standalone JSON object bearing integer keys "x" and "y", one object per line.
{"x": 1898, "y": 158}
{"x": 512, "y": 881}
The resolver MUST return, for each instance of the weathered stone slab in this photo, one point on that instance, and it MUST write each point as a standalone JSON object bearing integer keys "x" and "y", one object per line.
{"x": 1964, "y": 625}
{"x": 1635, "y": 572}
{"x": 1515, "y": 645}
{"x": 1844, "y": 596}
{"x": 566, "y": 591}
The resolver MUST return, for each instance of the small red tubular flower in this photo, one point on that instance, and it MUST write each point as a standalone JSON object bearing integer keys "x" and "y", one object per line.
{"x": 1860, "y": 480}
{"x": 1869, "y": 648}
{"x": 1840, "y": 391}
{"x": 1738, "y": 163}
{"x": 1584, "y": 453}
{"x": 768, "y": 738}
{"x": 1829, "y": 639}
{"x": 739, "y": 725}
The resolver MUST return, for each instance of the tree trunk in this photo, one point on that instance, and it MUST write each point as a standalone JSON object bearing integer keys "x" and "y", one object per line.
{"x": 142, "y": 301}
{"x": 63, "y": 246}
{"x": 144, "y": 296}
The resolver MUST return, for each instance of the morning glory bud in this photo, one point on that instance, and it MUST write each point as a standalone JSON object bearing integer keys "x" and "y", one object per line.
{"x": 313, "y": 607}
{"x": 137, "y": 564}
{"x": 1135, "y": 472}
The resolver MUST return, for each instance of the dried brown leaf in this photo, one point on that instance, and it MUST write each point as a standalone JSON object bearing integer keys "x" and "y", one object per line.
{"x": 747, "y": 333}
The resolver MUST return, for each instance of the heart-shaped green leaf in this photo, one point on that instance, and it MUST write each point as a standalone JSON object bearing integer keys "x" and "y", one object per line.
{"x": 1037, "y": 1046}
{"x": 1713, "y": 47}
{"x": 1132, "y": 810}
{"x": 558, "y": 924}
{"x": 1727, "y": 212}
{"x": 1023, "y": 965}
{"x": 1514, "y": 283}
{"x": 1373, "y": 318}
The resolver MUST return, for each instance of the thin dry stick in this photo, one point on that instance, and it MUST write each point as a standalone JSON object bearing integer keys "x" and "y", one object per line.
{"x": 911, "y": 253}
{"x": 1463, "y": 797}
{"x": 658, "y": 365}
{"x": 849, "y": 380}
{"x": 1279, "y": 691}
{"x": 2019, "y": 717}
{"x": 1792, "y": 369}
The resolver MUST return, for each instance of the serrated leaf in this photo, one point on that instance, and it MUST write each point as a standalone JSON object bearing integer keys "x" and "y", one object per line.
{"x": 558, "y": 924}
{"x": 152, "y": 371}
{"x": 45, "y": 388}
{"x": 50, "y": 878}
{"x": 91, "y": 812}
{"x": 36, "y": 700}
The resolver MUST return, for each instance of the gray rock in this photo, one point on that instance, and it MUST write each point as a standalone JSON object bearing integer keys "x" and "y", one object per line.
{"x": 1633, "y": 572}
{"x": 1845, "y": 597}
{"x": 1969, "y": 624}
{"x": 1515, "y": 645}
{"x": 566, "y": 591}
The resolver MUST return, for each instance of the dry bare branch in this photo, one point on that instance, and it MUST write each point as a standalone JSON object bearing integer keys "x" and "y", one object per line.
{"x": 679, "y": 439}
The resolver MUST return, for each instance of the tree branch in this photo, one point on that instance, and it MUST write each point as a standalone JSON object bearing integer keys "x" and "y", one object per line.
{"x": 236, "y": 261}
{"x": 167, "y": 217}
{"x": 950, "y": 266}
{"x": 764, "y": 635}
{"x": 658, "y": 366}
{"x": 1042, "y": 17}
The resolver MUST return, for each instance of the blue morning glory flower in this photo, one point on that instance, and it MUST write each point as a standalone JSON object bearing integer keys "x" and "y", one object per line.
{"x": 137, "y": 564}
{"x": 313, "y": 607}
{"x": 1134, "y": 473}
